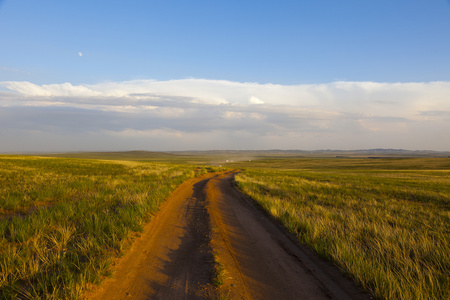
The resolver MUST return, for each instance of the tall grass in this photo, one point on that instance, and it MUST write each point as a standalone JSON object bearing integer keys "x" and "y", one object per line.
{"x": 388, "y": 229}
{"x": 63, "y": 220}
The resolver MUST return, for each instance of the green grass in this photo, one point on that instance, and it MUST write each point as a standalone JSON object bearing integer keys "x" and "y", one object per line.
{"x": 388, "y": 228}
{"x": 353, "y": 163}
{"x": 62, "y": 221}
{"x": 386, "y": 222}
{"x": 219, "y": 269}
{"x": 143, "y": 156}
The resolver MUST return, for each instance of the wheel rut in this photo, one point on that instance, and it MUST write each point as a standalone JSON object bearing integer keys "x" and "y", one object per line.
{"x": 206, "y": 222}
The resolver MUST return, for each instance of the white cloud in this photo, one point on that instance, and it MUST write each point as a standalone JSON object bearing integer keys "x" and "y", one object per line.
{"x": 255, "y": 100}
{"x": 356, "y": 114}
{"x": 52, "y": 90}
{"x": 337, "y": 94}
{"x": 232, "y": 115}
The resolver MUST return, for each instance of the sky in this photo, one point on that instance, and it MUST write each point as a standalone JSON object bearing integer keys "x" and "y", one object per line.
{"x": 242, "y": 75}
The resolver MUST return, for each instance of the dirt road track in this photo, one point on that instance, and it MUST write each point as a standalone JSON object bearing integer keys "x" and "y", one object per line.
{"x": 207, "y": 217}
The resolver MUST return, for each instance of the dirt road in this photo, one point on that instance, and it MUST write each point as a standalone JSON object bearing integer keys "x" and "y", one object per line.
{"x": 206, "y": 220}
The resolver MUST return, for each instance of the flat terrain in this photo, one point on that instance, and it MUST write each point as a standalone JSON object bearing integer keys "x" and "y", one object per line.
{"x": 65, "y": 221}
{"x": 62, "y": 221}
{"x": 384, "y": 221}
{"x": 207, "y": 223}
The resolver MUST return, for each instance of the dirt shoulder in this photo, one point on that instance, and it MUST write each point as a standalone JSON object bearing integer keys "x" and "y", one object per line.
{"x": 207, "y": 221}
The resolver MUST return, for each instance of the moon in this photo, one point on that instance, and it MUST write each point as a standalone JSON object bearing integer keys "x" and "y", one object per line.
{"x": 80, "y": 54}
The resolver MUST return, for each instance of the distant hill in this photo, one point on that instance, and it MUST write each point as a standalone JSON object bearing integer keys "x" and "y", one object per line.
{"x": 373, "y": 153}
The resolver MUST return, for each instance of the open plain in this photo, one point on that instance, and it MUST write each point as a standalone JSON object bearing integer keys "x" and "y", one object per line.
{"x": 205, "y": 221}
{"x": 287, "y": 228}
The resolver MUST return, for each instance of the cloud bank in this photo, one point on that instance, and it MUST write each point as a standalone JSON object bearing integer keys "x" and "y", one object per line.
{"x": 217, "y": 114}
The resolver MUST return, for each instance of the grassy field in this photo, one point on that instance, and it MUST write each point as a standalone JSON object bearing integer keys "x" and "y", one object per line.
{"x": 385, "y": 222}
{"x": 63, "y": 220}
{"x": 147, "y": 156}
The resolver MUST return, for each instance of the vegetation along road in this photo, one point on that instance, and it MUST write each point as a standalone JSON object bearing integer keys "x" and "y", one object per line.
{"x": 208, "y": 230}
{"x": 169, "y": 226}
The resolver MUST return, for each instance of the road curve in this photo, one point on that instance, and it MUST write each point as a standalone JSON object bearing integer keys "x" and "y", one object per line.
{"x": 207, "y": 219}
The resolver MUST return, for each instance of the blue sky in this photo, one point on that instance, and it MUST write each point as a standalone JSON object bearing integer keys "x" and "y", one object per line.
{"x": 315, "y": 54}
{"x": 283, "y": 42}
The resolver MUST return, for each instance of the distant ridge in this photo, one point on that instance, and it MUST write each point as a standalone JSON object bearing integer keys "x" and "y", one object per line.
{"x": 143, "y": 155}
{"x": 326, "y": 152}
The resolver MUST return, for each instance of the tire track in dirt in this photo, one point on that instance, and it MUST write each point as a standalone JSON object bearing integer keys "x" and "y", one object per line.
{"x": 172, "y": 259}
{"x": 261, "y": 260}
{"x": 205, "y": 219}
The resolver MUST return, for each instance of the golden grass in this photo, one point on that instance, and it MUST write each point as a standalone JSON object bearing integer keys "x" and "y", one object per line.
{"x": 62, "y": 220}
{"x": 388, "y": 229}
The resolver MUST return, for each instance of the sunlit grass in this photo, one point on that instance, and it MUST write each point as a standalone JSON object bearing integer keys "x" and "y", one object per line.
{"x": 62, "y": 220}
{"x": 388, "y": 229}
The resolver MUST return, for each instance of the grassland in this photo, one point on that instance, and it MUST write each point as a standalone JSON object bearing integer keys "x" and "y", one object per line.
{"x": 385, "y": 222}
{"x": 195, "y": 158}
{"x": 62, "y": 221}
